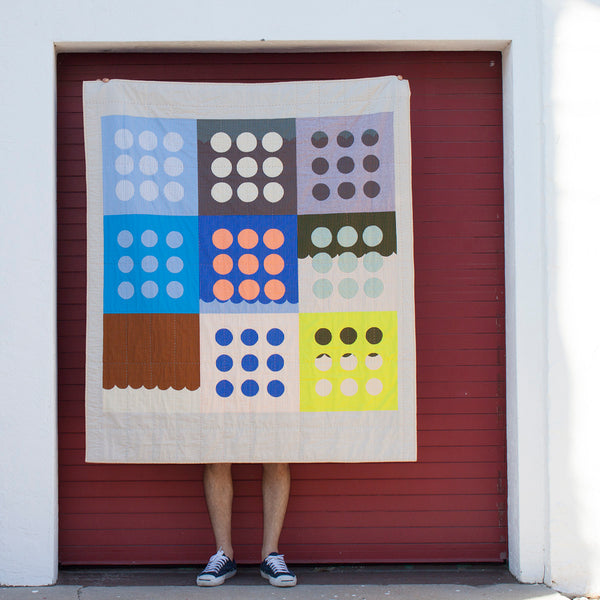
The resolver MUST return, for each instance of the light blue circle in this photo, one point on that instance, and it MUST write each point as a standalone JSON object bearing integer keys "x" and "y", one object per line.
{"x": 348, "y": 288}
{"x": 347, "y": 236}
{"x": 372, "y": 235}
{"x": 373, "y": 287}
{"x": 125, "y": 290}
{"x": 321, "y": 237}
{"x": 347, "y": 262}
{"x": 174, "y": 239}
{"x": 149, "y": 264}
{"x": 174, "y": 264}
{"x": 125, "y": 264}
{"x": 149, "y": 238}
{"x": 322, "y": 288}
{"x": 322, "y": 262}
{"x": 174, "y": 289}
{"x": 372, "y": 261}
{"x": 149, "y": 289}
{"x": 125, "y": 238}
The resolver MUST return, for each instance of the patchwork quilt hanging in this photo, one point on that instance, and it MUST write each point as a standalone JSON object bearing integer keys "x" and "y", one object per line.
{"x": 250, "y": 272}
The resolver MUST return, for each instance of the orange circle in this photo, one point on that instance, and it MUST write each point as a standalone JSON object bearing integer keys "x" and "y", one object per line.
{"x": 274, "y": 264}
{"x": 274, "y": 289}
{"x": 247, "y": 238}
{"x": 273, "y": 238}
{"x": 222, "y": 238}
{"x": 248, "y": 264}
{"x": 249, "y": 289}
{"x": 222, "y": 264}
{"x": 223, "y": 290}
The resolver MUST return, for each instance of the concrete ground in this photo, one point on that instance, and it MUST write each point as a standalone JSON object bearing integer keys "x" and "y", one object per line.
{"x": 373, "y": 582}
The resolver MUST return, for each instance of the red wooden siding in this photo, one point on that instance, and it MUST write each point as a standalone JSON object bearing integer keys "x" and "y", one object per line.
{"x": 450, "y": 506}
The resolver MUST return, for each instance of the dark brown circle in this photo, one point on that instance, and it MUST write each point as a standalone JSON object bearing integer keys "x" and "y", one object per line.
{"x": 320, "y": 166}
{"x": 348, "y": 335}
{"x": 320, "y": 192}
{"x": 319, "y": 139}
{"x": 370, "y": 137}
{"x": 374, "y": 335}
{"x": 345, "y": 164}
{"x": 346, "y": 190}
{"x": 371, "y": 189}
{"x": 371, "y": 163}
{"x": 323, "y": 336}
{"x": 345, "y": 139}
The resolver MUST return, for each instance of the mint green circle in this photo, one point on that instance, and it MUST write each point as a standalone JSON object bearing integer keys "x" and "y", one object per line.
{"x": 321, "y": 262}
{"x": 347, "y": 236}
{"x": 321, "y": 237}
{"x": 348, "y": 288}
{"x": 347, "y": 262}
{"x": 322, "y": 288}
{"x": 372, "y": 235}
{"x": 372, "y": 261}
{"x": 373, "y": 287}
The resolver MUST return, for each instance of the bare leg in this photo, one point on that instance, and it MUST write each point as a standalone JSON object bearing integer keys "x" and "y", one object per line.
{"x": 276, "y": 491}
{"x": 218, "y": 492}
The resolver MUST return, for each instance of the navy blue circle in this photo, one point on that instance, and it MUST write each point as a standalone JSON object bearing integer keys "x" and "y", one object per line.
{"x": 224, "y": 362}
{"x": 249, "y": 362}
{"x": 275, "y": 336}
{"x": 224, "y": 337}
{"x": 224, "y": 388}
{"x": 249, "y": 387}
{"x": 249, "y": 337}
{"x": 275, "y": 362}
{"x": 275, "y": 388}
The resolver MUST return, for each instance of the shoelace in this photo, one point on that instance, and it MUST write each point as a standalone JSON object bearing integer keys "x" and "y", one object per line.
{"x": 277, "y": 563}
{"x": 215, "y": 562}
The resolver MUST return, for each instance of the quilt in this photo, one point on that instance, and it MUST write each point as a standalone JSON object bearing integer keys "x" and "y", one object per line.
{"x": 250, "y": 272}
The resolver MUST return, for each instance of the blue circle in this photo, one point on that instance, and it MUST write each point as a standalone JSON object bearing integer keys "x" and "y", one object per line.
{"x": 224, "y": 337}
{"x": 224, "y": 362}
{"x": 224, "y": 388}
{"x": 249, "y": 387}
{"x": 275, "y": 336}
{"x": 275, "y": 388}
{"x": 249, "y": 337}
{"x": 275, "y": 362}
{"x": 249, "y": 362}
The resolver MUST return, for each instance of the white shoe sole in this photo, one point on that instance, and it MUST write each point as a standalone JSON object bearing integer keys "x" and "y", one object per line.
{"x": 214, "y": 581}
{"x": 279, "y": 582}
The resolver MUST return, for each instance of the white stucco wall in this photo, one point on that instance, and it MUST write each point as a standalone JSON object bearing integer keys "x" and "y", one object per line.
{"x": 551, "y": 129}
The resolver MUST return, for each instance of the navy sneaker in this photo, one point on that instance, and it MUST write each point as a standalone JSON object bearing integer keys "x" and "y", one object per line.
{"x": 218, "y": 569}
{"x": 275, "y": 570}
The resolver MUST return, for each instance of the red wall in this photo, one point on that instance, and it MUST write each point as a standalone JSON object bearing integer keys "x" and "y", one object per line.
{"x": 450, "y": 506}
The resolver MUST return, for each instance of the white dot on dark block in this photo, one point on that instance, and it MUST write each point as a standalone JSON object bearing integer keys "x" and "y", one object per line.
{"x": 149, "y": 238}
{"x": 221, "y": 192}
{"x": 272, "y": 141}
{"x": 174, "y": 289}
{"x": 246, "y": 141}
{"x": 174, "y": 239}
{"x": 174, "y": 264}
{"x": 125, "y": 290}
{"x": 220, "y": 142}
{"x": 149, "y": 264}
{"x": 247, "y": 167}
{"x": 125, "y": 264}
{"x": 272, "y": 167}
{"x": 221, "y": 167}
{"x": 149, "y": 289}
{"x": 125, "y": 238}
{"x": 273, "y": 191}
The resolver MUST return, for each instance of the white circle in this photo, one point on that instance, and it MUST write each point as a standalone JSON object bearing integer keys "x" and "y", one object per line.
{"x": 273, "y": 191}
{"x": 173, "y": 191}
{"x": 125, "y": 238}
{"x": 149, "y": 238}
{"x": 125, "y": 264}
{"x": 349, "y": 387}
{"x": 323, "y": 387}
{"x": 272, "y": 141}
{"x": 374, "y": 361}
{"x": 149, "y": 263}
{"x": 247, "y": 167}
{"x": 323, "y": 362}
{"x": 173, "y": 166}
{"x": 124, "y": 190}
{"x": 174, "y": 239}
{"x": 124, "y": 164}
{"x": 221, "y": 167}
{"x": 272, "y": 167}
{"x": 247, "y": 192}
{"x": 125, "y": 290}
{"x": 174, "y": 289}
{"x": 220, "y": 142}
{"x": 374, "y": 387}
{"x": 174, "y": 264}
{"x": 124, "y": 139}
{"x": 173, "y": 142}
{"x": 246, "y": 142}
{"x": 148, "y": 165}
{"x": 221, "y": 192}
{"x": 149, "y": 190}
{"x": 149, "y": 289}
{"x": 348, "y": 362}
{"x": 147, "y": 140}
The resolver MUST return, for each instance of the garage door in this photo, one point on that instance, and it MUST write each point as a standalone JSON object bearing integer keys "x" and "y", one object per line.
{"x": 449, "y": 506}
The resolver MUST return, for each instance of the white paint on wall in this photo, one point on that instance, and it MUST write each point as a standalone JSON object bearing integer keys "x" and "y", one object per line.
{"x": 554, "y": 523}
